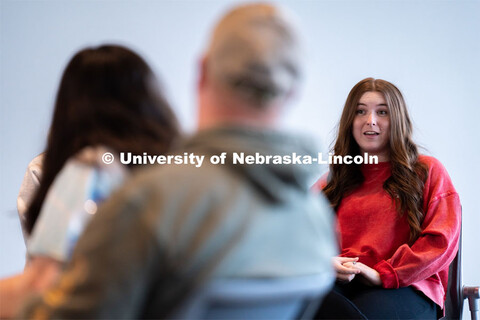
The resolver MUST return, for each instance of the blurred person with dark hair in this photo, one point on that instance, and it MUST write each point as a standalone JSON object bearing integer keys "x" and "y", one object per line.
{"x": 108, "y": 101}
{"x": 176, "y": 227}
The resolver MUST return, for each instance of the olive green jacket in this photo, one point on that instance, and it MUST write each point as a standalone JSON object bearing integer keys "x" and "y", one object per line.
{"x": 173, "y": 227}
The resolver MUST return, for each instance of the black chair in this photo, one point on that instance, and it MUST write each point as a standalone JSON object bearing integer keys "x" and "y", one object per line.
{"x": 456, "y": 293}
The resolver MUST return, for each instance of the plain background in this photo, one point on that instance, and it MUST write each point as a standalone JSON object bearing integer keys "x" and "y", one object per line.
{"x": 429, "y": 49}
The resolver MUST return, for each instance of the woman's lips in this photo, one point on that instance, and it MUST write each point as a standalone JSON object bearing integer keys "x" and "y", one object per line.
{"x": 371, "y": 135}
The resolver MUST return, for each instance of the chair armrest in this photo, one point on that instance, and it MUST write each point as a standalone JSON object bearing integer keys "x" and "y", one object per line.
{"x": 473, "y": 296}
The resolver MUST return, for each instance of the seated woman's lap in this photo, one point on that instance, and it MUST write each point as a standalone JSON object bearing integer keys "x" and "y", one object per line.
{"x": 358, "y": 301}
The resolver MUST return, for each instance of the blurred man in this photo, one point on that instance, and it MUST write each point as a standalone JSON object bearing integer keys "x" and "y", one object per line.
{"x": 173, "y": 227}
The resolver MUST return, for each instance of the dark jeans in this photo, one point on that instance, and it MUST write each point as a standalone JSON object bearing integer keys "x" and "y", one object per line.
{"x": 357, "y": 301}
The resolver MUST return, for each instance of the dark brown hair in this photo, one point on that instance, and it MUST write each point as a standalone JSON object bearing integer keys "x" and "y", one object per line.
{"x": 405, "y": 185}
{"x": 107, "y": 96}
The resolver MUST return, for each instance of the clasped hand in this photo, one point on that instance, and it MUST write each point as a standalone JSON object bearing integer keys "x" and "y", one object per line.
{"x": 348, "y": 268}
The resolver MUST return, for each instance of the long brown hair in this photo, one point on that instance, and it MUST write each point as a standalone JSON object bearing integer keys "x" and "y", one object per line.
{"x": 107, "y": 96}
{"x": 405, "y": 185}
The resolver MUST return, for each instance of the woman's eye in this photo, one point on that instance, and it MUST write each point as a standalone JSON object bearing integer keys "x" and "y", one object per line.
{"x": 360, "y": 111}
{"x": 382, "y": 112}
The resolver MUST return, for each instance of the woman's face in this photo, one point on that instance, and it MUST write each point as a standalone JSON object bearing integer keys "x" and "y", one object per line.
{"x": 371, "y": 126}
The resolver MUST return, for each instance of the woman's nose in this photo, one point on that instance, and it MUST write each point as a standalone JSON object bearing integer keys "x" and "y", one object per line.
{"x": 371, "y": 120}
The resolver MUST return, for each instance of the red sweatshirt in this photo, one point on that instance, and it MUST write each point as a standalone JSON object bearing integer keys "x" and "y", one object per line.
{"x": 371, "y": 229}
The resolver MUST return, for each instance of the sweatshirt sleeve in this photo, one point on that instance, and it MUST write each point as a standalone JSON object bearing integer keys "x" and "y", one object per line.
{"x": 437, "y": 244}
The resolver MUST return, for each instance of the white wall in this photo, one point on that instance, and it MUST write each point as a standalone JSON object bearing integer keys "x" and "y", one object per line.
{"x": 430, "y": 49}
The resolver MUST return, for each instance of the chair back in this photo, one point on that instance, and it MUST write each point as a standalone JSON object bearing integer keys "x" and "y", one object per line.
{"x": 258, "y": 298}
{"x": 454, "y": 296}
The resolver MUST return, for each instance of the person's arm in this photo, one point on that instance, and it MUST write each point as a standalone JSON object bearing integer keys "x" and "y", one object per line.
{"x": 432, "y": 251}
{"x": 50, "y": 241}
{"x": 437, "y": 244}
{"x": 39, "y": 275}
{"x": 47, "y": 244}
{"x": 111, "y": 266}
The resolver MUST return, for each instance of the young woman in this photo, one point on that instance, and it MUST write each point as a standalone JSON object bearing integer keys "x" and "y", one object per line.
{"x": 398, "y": 220}
{"x": 108, "y": 102}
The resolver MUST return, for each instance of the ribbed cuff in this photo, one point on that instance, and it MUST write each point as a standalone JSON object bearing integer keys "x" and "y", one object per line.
{"x": 387, "y": 275}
